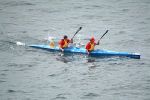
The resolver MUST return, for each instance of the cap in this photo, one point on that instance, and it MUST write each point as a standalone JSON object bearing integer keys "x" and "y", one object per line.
{"x": 65, "y": 36}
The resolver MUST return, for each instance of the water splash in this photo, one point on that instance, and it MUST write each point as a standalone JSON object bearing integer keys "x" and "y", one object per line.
{"x": 20, "y": 43}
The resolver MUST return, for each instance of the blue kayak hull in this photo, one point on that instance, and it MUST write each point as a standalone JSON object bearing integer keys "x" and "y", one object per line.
{"x": 95, "y": 53}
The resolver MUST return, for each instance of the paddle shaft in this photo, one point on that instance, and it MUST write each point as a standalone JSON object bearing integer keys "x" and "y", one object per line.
{"x": 103, "y": 35}
{"x": 76, "y": 32}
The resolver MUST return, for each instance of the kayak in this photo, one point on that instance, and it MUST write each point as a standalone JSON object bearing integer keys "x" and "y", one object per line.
{"x": 94, "y": 53}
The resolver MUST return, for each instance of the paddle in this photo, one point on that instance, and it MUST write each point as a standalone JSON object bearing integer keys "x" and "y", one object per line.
{"x": 77, "y": 32}
{"x": 102, "y": 36}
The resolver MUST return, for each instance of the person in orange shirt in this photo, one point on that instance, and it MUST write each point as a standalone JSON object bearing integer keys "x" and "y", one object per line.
{"x": 63, "y": 43}
{"x": 91, "y": 45}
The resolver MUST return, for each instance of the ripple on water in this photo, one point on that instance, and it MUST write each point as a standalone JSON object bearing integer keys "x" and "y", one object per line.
{"x": 19, "y": 3}
{"x": 90, "y": 96}
{"x": 62, "y": 96}
{"x": 55, "y": 87}
{"x": 11, "y": 91}
{"x": 2, "y": 81}
{"x": 125, "y": 10}
{"x": 19, "y": 65}
{"x": 52, "y": 75}
{"x": 17, "y": 91}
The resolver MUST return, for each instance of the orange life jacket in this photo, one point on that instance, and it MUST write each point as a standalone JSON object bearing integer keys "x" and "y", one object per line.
{"x": 92, "y": 46}
{"x": 63, "y": 43}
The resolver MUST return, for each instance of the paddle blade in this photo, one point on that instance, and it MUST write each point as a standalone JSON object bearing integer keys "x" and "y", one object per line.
{"x": 104, "y": 34}
{"x": 80, "y": 28}
{"x": 77, "y": 32}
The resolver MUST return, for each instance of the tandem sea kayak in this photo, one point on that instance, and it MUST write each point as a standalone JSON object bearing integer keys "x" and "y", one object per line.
{"x": 95, "y": 53}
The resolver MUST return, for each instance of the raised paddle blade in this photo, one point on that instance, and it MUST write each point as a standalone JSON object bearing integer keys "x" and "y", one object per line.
{"x": 77, "y": 32}
{"x": 104, "y": 34}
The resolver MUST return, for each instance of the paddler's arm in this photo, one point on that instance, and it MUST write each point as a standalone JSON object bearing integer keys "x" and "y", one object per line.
{"x": 97, "y": 43}
{"x": 60, "y": 45}
{"x": 87, "y": 48}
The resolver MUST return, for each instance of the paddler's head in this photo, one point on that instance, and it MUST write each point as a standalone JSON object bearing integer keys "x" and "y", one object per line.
{"x": 92, "y": 40}
{"x": 65, "y": 37}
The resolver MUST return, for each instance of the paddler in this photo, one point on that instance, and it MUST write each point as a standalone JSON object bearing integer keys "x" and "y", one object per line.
{"x": 91, "y": 45}
{"x": 63, "y": 43}
{"x": 52, "y": 44}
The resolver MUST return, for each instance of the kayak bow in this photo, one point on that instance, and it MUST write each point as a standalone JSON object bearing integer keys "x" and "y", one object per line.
{"x": 95, "y": 53}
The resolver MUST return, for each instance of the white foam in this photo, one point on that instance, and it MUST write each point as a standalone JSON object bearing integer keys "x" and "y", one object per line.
{"x": 20, "y": 43}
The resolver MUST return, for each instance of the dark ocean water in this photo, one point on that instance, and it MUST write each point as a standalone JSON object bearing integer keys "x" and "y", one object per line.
{"x": 31, "y": 74}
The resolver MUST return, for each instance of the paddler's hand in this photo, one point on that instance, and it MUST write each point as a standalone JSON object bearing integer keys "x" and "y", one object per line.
{"x": 62, "y": 49}
{"x": 97, "y": 43}
{"x": 71, "y": 41}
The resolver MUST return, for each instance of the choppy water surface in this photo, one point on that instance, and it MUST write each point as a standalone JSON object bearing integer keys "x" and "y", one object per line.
{"x": 31, "y": 74}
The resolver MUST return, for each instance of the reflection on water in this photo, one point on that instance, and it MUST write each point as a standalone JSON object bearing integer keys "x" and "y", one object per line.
{"x": 91, "y": 62}
{"x": 67, "y": 57}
